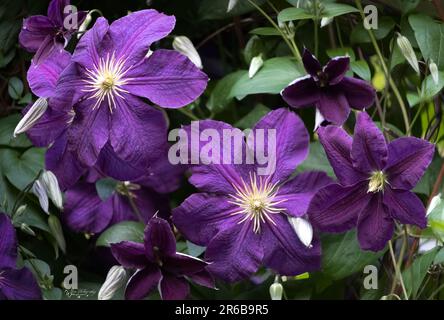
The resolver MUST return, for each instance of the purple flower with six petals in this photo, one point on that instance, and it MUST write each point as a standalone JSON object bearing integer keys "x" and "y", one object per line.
{"x": 15, "y": 284}
{"x": 244, "y": 219}
{"x": 375, "y": 179}
{"x": 329, "y": 89}
{"x": 159, "y": 265}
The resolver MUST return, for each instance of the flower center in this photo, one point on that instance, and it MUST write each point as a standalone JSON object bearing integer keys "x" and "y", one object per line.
{"x": 257, "y": 201}
{"x": 105, "y": 81}
{"x": 377, "y": 182}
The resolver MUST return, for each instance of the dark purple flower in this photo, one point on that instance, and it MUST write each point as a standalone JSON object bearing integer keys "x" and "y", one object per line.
{"x": 43, "y": 34}
{"x": 15, "y": 284}
{"x": 158, "y": 264}
{"x": 244, "y": 219}
{"x": 375, "y": 179}
{"x": 110, "y": 74}
{"x": 329, "y": 89}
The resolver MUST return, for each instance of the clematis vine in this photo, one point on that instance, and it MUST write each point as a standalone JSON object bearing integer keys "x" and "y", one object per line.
{"x": 15, "y": 284}
{"x": 375, "y": 183}
{"x": 329, "y": 90}
{"x": 158, "y": 264}
{"x": 44, "y": 34}
{"x": 107, "y": 79}
{"x": 245, "y": 219}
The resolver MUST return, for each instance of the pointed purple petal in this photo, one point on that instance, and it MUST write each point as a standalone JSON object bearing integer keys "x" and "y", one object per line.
{"x": 19, "y": 285}
{"x": 130, "y": 254}
{"x": 333, "y": 105}
{"x": 369, "y": 149}
{"x": 336, "y": 208}
{"x": 359, "y": 93}
{"x": 183, "y": 265}
{"x": 34, "y": 31}
{"x": 297, "y": 193}
{"x": 336, "y": 69}
{"x": 303, "y": 92}
{"x": 167, "y": 78}
{"x": 173, "y": 288}
{"x": 201, "y": 216}
{"x": 8, "y": 243}
{"x": 143, "y": 282}
{"x": 56, "y": 11}
{"x": 406, "y": 207}
{"x": 337, "y": 145}
{"x": 375, "y": 226}
{"x": 203, "y": 278}
{"x": 311, "y": 63}
{"x": 159, "y": 239}
{"x": 408, "y": 159}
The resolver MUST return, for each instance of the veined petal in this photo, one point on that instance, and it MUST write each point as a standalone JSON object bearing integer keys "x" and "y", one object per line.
{"x": 181, "y": 264}
{"x": 56, "y": 11}
{"x": 405, "y": 206}
{"x": 130, "y": 254}
{"x": 19, "y": 285}
{"x": 173, "y": 288}
{"x": 159, "y": 239}
{"x": 34, "y": 31}
{"x": 333, "y": 105}
{"x": 303, "y": 92}
{"x": 336, "y": 69}
{"x": 8, "y": 243}
{"x": 143, "y": 282}
{"x": 359, "y": 93}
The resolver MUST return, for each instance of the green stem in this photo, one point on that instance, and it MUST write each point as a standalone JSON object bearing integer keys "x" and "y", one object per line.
{"x": 189, "y": 114}
{"x": 398, "y": 274}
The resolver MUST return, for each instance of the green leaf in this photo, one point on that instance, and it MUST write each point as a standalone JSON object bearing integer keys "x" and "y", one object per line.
{"x": 343, "y": 257}
{"x": 265, "y": 31}
{"x": 425, "y": 185}
{"x": 429, "y": 89}
{"x": 221, "y": 96}
{"x": 252, "y": 117}
{"x": 22, "y": 168}
{"x": 194, "y": 249}
{"x": 360, "y": 34}
{"x": 415, "y": 274}
{"x": 291, "y": 14}
{"x": 435, "y": 219}
{"x": 33, "y": 216}
{"x": 332, "y": 10}
{"x": 439, "y": 258}
{"x": 123, "y": 231}
{"x": 317, "y": 160}
{"x": 275, "y": 75}
{"x": 346, "y": 51}
{"x": 7, "y": 126}
{"x": 15, "y": 88}
{"x": 106, "y": 187}
{"x": 362, "y": 69}
{"x": 430, "y": 37}
{"x": 6, "y": 58}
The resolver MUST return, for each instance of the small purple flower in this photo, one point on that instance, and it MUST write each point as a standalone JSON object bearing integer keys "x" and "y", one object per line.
{"x": 86, "y": 210}
{"x": 375, "y": 179}
{"x": 244, "y": 219}
{"x": 109, "y": 76}
{"x": 15, "y": 284}
{"x": 329, "y": 89}
{"x": 43, "y": 34}
{"x": 159, "y": 265}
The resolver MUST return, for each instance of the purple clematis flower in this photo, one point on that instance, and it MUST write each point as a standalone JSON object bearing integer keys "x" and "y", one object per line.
{"x": 375, "y": 179}
{"x": 109, "y": 75}
{"x": 329, "y": 89}
{"x": 15, "y": 284}
{"x": 159, "y": 265}
{"x": 244, "y": 219}
{"x": 87, "y": 210}
{"x": 43, "y": 34}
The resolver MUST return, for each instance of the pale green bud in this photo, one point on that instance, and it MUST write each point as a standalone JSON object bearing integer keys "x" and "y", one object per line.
{"x": 32, "y": 116}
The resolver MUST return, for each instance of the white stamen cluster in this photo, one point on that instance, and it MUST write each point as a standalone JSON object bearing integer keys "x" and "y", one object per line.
{"x": 256, "y": 201}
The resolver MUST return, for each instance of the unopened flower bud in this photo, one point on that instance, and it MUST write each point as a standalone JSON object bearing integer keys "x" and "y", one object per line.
{"x": 20, "y": 211}
{"x": 32, "y": 116}
{"x": 232, "y": 4}
{"x": 303, "y": 230}
{"x": 407, "y": 50}
{"x": 184, "y": 45}
{"x": 39, "y": 190}
{"x": 276, "y": 291}
{"x": 27, "y": 229}
{"x": 326, "y": 21}
{"x": 434, "y": 71}
{"x": 114, "y": 281}
{"x": 255, "y": 65}
{"x": 85, "y": 24}
{"x": 49, "y": 181}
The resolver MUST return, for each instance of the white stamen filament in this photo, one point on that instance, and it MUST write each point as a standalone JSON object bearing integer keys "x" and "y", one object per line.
{"x": 105, "y": 81}
{"x": 256, "y": 201}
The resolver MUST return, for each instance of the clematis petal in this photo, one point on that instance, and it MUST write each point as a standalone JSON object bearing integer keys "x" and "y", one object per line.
{"x": 85, "y": 211}
{"x": 143, "y": 282}
{"x": 203, "y": 278}
{"x": 159, "y": 239}
{"x": 130, "y": 254}
{"x": 42, "y": 77}
{"x": 173, "y": 288}
{"x": 89, "y": 132}
{"x": 333, "y": 105}
{"x": 369, "y": 149}
{"x": 201, "y": 216}
{"x": 336, "y": 69}
{"x": 311, "y": 63}
{"x": 405, "y": 206}
{"x": 303, "y": 92}
{"x": 138, "y": 132}
{"x": 297, "y": 193}
{"x": 133, "y": 34}
{"x": 235, "y": 253}
{"x": 167, "y": 78}
{"x": 284, "y": 252}
{"x": 337, "y": 145}
{"x": 375, "y": 225}
{"x": 289, "y": 147}
{"x": 19, "y": 285}
{"x": 359, "y": 93}
{"x": 408, "y": 159}
{"x": 181, "y": 264}
{"x": 8, "y": 243}
{"x": 34, "y": 31}
{"x": 56, "y": 11}
{"x": 336, "y": 208}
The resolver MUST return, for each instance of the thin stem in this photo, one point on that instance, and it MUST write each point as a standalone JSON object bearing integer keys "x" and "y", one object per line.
{"x": 434, "y": 293}
{"x": 135, "y": 209}
{"x": 189, "y": 114}
{"x": 398, "y": 274}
